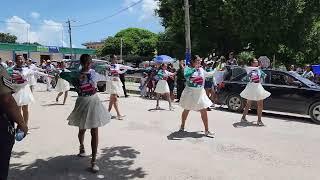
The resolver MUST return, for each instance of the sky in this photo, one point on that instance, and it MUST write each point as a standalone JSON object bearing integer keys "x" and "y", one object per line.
{"x": 44, "y": 21}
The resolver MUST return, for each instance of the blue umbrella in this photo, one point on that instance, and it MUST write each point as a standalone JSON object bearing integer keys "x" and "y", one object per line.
{"x": 163, "y": 59}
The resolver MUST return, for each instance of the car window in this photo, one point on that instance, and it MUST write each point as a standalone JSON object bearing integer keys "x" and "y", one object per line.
{"x": 282, "y": 79}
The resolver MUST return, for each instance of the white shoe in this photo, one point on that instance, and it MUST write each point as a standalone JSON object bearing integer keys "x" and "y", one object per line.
{"x": 94, "y": 168}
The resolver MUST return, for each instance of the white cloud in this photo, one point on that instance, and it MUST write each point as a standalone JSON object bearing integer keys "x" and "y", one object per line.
{"x": 48, "y": 32}
{"x": 146, "y": 10}
{"x": 35, "y": 15}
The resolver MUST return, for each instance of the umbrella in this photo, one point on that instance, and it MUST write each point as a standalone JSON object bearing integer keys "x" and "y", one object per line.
{"x": 163, "y": 59}
{"x": 264, "y": 61}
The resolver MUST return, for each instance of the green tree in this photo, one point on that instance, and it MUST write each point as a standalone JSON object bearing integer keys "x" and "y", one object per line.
{"x": 136, "y": 42}
{"x": 7, "y": 38}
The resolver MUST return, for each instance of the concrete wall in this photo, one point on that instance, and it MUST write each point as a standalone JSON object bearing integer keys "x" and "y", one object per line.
{"x": 6, "y": 55}
{"x": 57, "y": 57}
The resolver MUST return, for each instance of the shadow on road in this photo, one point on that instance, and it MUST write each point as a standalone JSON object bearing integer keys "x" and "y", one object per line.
{"x": 179, "y": 135}
{"x": 245, "y": 124}
{"x": 155, "y": 109}
{"x": 115, "y": 164}
{"x": 287, "y": 118}
{"x": 52, "y": 104}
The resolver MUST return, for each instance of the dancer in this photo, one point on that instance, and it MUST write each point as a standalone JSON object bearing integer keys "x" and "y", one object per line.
{"x": 89, "y": 112}
{"x": 32, "y": 78}
{"x": 114, "y": 85}
{"x": 162, "y": 87}
{"x": 23, "y": 94}
{"x": 49, "y": 70}
{"x": 62, "y": 86}
{"x": 194, "y": 96}
{"x": 254, "y": 91}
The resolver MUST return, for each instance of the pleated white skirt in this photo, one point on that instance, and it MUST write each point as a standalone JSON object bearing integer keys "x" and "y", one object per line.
{"x": 114, "y": 86}
{"x": 162, "y": 87}
{"x": 62, "y": 85}
{"x": 254, "y": 92}
{"x": 23, "y": 95}
{"x": 89, "y": 113}
{"x": 194, "y": 99}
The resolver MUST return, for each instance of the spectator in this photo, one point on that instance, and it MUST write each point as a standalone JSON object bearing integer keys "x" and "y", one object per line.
{"x": 232, "y": 60}
{"x": 123, "y": 81}
{"x": 308, "y": 74}
{"x": 171, "y": 81}
{"x": 4, "y": 65}
{"x": 181, "y": 81}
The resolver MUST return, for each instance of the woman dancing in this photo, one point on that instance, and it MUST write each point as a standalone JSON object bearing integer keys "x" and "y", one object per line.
{"x": 62, "y": 86}
{"x": 254, "y": 91}
{"x": 23, "y": 95}
{"x": 89, "y": 112}
{"x": 114, "y": 85}
{"x": 194, "y": 96}
{"x": 162, "y": 85}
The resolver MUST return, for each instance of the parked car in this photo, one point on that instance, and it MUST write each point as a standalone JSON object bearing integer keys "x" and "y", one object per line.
{"x": 97, "y": 65}
{"x": 289, "y": 93}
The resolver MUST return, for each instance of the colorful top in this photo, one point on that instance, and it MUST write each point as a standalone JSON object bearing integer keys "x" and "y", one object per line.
{"x": 20, "y": 75}
{"x": 85, "y": 83}
{"x": 210, "y": 78}
{"x": 115, "y": 70}
{"x": 256, "y": 76}
{"x": 195, "y": 77}
{"x": 163, "y": 74}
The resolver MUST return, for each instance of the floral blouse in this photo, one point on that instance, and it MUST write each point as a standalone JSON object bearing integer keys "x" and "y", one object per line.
{"x": 195, "y": 77}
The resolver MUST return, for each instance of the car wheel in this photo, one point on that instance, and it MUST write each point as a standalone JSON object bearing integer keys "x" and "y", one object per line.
{"x": 235, "y": 103}
{"x": 315, "y": 112}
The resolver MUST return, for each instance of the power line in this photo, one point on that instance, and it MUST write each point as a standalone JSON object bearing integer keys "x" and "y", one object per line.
{"x": 110, "y": 16}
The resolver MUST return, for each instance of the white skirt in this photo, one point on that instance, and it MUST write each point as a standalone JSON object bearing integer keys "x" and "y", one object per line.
{"x": 89, "y": 113}
{"x": 32, "y": 80}
{"x": 194, "y": 99}
{"x": 23, "y": 95}
{"x": 162, "y": 87}
{"x": 62, "y": 85}
{"x": 254, "y": 92}
{"x": 114, "y": 86}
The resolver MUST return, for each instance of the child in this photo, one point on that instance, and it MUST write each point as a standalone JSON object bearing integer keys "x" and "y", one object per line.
{"x": 89, "y": 112}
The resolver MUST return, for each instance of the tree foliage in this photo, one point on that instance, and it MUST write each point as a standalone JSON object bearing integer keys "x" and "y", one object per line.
{"x": 7, "y": 38}
{"x": 136, "y": 42}
{"x": 288, "y": 29}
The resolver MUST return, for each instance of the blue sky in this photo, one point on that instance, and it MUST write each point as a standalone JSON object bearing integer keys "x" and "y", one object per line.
{"x": 43, "y": 20}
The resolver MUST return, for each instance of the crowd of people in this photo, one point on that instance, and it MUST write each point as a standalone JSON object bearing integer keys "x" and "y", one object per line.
{"x": 196, "y": 83}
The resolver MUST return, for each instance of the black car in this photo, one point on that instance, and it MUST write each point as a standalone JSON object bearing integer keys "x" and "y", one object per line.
{"x": 289, "y": 93}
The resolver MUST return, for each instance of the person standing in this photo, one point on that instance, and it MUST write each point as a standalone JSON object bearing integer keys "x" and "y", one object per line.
{"x": 3, "y": 64}
{"x": 62, "y": 86}
{"x": 49, "y": 70}
{"x": 123, "y": 81}
{"x": 9, "y": 114}
{"x": 209, "y": 82}
{"x": 171, "y": 81}
{"x": 114, "y": 85}
{"x": 181, "y": 81}
{"x": 232, "y": 61}
{"x": 89, "y": 112}
{"x": 194, "y": 96}
{"x": 254, "y": 91}
{"x": 162, "y": 87}
{"x": 308, "y": 74}
{"x": 23, "y": 95}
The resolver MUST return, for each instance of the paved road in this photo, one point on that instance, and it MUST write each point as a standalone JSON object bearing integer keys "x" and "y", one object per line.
{"x": 145, "y": 145}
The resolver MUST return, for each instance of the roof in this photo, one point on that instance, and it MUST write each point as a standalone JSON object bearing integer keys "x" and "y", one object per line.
{"x": 50, "y": 49}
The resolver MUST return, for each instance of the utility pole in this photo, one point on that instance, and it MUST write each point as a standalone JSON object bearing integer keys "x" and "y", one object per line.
{"x": 187, "y": 29}
{"x": 121, "y": 49}
{"x": 70, "y": 39}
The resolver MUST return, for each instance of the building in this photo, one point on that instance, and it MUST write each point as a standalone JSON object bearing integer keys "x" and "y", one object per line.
{"x": 93, "y": 45}
{"x": 8, "y": 51}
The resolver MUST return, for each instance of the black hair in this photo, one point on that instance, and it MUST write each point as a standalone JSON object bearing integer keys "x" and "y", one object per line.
{"x": 18, "y": 56}
{"x": 195, "y": 57}
{"x": 113, "y": 56}
{"x": 84, "y": 58}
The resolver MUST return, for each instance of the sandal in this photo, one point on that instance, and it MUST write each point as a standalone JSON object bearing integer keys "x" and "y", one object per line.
{"x": 209, "y": 134}
{"x": 82, "y": 152}
{"x": 94, "y": 167}
{"x": 120, "y": 117}
{"x": 260, "y": 123}
{"x": 158, "y": 108}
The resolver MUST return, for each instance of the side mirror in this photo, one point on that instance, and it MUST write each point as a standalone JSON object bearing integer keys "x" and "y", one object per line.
{"x": 297, "y": 83}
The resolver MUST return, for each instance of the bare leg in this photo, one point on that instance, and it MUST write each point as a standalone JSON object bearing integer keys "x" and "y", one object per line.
{"x": 25, "y": 113}
{"x": 184, "y": 116}
{"x": 65, "y": 97}
{"x": 116, "y": 107}
{"x": 204, "y": 117}
{"x": 169, "y": 100}
{"x": 81, "y": 140}
{"x": 57, "y": 98}
{"x": 94, "y": 143}
{"x": 32, "y": 88}
{"x": 260, "y": 109}
{"x": 158, "y": 99}
{"x": 111, "y": 102}
{"x": 246, "y": 110}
